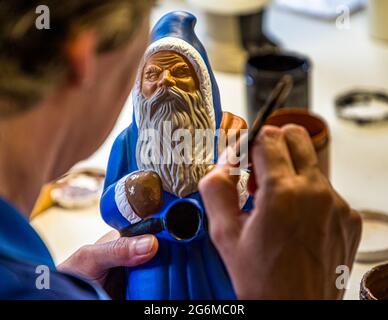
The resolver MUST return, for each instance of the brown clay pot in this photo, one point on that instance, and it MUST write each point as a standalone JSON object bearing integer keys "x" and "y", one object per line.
{"x": 374, "y": 284}
{"x": 315, "y": 126}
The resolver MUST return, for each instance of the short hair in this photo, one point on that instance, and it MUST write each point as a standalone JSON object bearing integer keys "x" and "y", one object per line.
{"x": 32, "y": 61}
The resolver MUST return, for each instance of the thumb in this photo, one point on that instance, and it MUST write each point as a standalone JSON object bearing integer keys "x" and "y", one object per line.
{"x": 124, "y": 252}
{"x": 219, "y": 193}
{"x": 94, "y": 261}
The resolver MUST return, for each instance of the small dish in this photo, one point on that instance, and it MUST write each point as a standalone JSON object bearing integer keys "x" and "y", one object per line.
{"x": 374, "y": 240}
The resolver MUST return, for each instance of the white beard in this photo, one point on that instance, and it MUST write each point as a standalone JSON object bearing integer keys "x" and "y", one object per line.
{"x": 180, "y": 171}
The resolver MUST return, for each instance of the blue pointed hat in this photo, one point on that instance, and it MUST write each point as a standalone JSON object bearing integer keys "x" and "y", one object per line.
{"x": 175, "y": 32}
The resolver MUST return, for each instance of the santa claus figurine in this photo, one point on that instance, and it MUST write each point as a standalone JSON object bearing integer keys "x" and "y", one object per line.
{"x": 158, "y": 160}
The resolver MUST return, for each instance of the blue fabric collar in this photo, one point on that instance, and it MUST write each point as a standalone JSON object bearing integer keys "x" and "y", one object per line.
{"x": 18, "y": 240}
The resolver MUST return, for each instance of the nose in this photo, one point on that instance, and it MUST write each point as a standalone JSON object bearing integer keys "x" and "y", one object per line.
{"x": 167, "y": 79}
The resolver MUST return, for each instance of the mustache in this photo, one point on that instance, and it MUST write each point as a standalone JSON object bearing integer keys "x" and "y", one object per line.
{"x": 168, "y": 94}
{"x": 183, "y": 109}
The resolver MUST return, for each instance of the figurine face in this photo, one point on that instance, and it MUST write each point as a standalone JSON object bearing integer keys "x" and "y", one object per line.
{"x": 168, "y": 68}
{"x": 171, "y": 97}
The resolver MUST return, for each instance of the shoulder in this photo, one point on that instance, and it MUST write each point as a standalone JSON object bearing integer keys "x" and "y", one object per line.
{"x": 120, "y": 159}
{"x": 125, "y": 142}
{"x": 121, "y": 139}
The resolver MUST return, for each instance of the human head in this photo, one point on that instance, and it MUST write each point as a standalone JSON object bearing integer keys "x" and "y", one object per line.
{"x": 62, "y": 88}
{"x": 68, "y": 82}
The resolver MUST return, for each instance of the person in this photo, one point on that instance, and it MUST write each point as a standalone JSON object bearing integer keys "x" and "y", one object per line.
{"x": 61, "y": 91}
{"x": 175, "y": 98}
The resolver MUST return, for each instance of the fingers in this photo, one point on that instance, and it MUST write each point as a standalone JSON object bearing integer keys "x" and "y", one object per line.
{"x": 282, "y": 152}
{"x": 301, "y": 149}
{"x": 270, "y": 156}
{"x": 229, "y": 163}
{"x": 123, "y": 252}
{"x": 94, "y": 261}
{"x": 219, "y": 193}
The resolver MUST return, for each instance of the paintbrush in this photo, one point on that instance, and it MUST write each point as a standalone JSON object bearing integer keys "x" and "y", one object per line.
{"x": 275, "y": 100}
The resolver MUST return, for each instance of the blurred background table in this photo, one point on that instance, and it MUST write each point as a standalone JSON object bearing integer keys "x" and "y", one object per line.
{"x": 342, "y": 59}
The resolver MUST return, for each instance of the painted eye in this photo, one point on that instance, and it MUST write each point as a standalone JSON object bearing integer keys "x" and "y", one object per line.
{"x": 152, "y": 76}
{"x": 181, "y": 72}
{"x": 152, "y": 73}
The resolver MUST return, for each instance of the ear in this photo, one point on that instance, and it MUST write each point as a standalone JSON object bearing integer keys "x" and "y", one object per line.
{"x": 80, "y": 52}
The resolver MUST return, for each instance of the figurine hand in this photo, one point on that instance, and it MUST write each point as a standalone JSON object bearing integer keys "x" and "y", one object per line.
{"x": 94, "y": 262}
{"x": 299, "y": 231}
{"x": 144, "y": 193}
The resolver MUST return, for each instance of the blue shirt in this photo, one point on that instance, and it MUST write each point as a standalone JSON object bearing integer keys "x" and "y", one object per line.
{"x": 24, "y": 258}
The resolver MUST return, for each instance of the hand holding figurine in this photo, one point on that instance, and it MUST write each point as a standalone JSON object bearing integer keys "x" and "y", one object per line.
{"x": 102, "y": 262}
{"x": 299, "y": 231}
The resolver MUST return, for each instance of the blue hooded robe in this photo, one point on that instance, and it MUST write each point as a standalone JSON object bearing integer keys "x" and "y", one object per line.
{"x": 190, "y": 270}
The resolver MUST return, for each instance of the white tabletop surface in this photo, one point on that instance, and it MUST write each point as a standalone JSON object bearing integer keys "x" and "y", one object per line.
{"x": 342, "y": 59}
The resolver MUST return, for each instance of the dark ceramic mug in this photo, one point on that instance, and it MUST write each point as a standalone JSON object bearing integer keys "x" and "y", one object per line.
{"x": 374, "y": 284}
{"x": 264, "y": 71}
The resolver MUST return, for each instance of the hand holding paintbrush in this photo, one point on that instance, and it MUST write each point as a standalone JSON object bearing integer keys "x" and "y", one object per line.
{"x": 296, "y": 220}
{"x": 275, "y": 100}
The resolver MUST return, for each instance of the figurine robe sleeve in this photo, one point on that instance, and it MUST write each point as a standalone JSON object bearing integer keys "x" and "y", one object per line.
{"x": 114, "y": 206}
